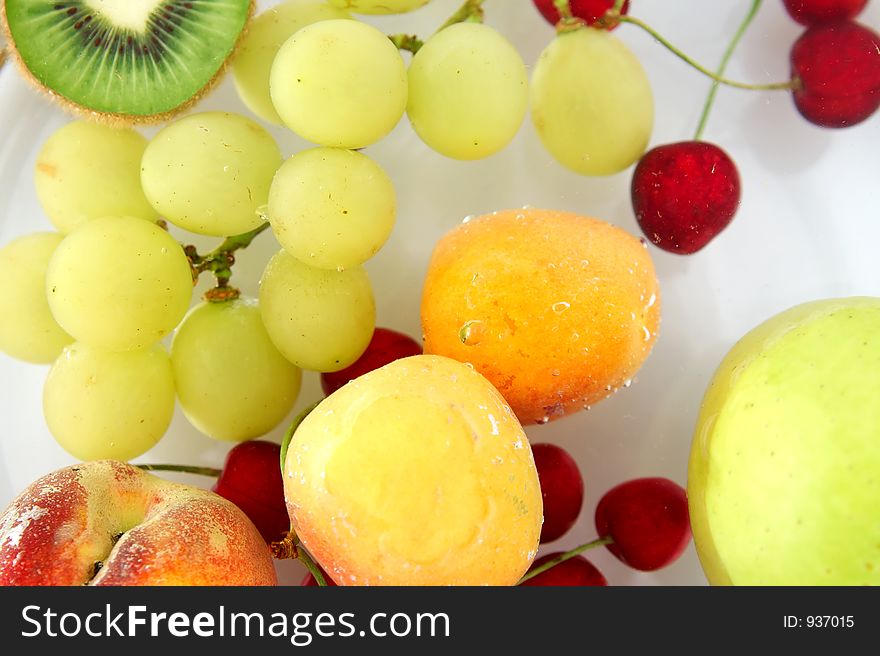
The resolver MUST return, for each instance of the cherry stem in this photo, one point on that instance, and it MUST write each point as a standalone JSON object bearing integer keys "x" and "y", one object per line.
{"x": 219, "y": 261}
{"x": 288, "y": 436}
{"x": 710, "y": 99}
{"x": 184, "y": 469}
{"x": 564, "y": 9}
{"x": 788, "y": 84}
{"x": 561, "y": 558}
{"x": 291, "y": 547}
{"x": 310, "y": 564}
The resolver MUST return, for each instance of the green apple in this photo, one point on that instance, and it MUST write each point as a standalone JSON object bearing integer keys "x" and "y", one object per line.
{"x": 784, "y": 473}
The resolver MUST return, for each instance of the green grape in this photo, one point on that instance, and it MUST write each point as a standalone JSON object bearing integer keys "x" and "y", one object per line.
{"x": 210, "y": 173}
{"x": 232, "y": 383}
{"x": 331, "y": 208}
{"x": 28, "y": 331}
{"x": 339, "y": 83}
{"x": 86, "y": 170}
{"x": 266, "y": 34}
{"x": 591, "y": 102}
{"x": 319, "y": 319}
{"x": 379, "y": 6}
{"x": 468, "y": 91}
{"x": 101, "y": 405}
{"x": 118, "y": 283}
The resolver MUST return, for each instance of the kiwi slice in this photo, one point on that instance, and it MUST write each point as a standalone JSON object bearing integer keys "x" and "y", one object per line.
{"x": 130, "y": 61}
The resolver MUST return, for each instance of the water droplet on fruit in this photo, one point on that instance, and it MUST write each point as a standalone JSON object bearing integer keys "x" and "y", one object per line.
{"x": 647, "y": 333}
{"x": 526, "y": 207}
{"x": 627, "y": 383}
{"x": 651, "y": 301}
{"x": 471, "y": 333}
{"x": 497, "y": 460}
{"x": 340, "y": 269}
{"x": 542, "y": 420}
{"x": 555, "y": 372}
{"x": 561, "y": 307}
{"x": 468, "y": 218}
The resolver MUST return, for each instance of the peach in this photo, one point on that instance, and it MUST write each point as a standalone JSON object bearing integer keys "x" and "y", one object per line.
{"x": 110, "y": 523}
{"x": 417, "y": 473}
{"x": 557, "y": 310}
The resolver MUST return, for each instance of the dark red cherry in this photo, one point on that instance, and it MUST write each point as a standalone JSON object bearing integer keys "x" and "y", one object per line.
{"x": 588, "y": 10}
{"x": 251, "y": 479}
{"x": 574, "y": 571}
{"x": 562, "y": 489}
{"x": 684, "y": 194}
{"x": 309, "y": 581}
{"x": 648, "y": 520}
{"x": 838, "y": 68}
{"x": 816, "y": 12}
{"x": 385, "y": 347}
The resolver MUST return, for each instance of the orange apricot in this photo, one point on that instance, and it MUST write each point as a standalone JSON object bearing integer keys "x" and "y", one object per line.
{"x": 557, "y": 310}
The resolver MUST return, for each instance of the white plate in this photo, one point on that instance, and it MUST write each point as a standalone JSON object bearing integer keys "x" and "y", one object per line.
{"x": 808, "y": 228}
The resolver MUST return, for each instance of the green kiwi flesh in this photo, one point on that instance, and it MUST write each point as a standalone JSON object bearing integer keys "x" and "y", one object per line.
{"x": 127, "y": 59}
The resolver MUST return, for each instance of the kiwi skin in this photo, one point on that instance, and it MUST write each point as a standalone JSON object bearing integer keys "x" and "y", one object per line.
{"x": 112, "y": 119}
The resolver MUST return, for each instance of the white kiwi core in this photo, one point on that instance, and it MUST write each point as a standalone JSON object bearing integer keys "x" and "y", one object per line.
{"x": 129, "y": 14}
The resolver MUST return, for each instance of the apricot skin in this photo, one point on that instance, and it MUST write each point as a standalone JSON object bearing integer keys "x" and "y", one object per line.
{"x": 557, "y": 310}
{"x": 417, "y": 473}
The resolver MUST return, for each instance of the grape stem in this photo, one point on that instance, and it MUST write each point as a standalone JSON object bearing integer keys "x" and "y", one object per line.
{"x": 722, "y": 66}
{"x": 408, "y": 42}
{"x": 470, "y": 12}
{"x": 291, "y": 547}
{"x": 184, "y": 469}
{"x": 219, "y": 262}
{"x": 788, "y": 84}
{"x": 561, "y": 558}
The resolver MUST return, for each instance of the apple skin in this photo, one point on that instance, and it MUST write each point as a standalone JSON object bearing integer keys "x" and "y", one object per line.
{"x": 143, "y": 529}
{"x": 784, "y": 473}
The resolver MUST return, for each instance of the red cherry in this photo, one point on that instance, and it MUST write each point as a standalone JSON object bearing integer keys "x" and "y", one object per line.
{"x": 684, "y": 194}
{"x": 648, "y": 520}
{"x": 251, "y": 479}
{"x": 816, "y": 12}
{"x": 309, "y": 581}
{"x": 562, "y": 489}
{"x": 587, "y": 10}
{"x": 838, "y": 66}
{"x": 385, "y": 347}
{"x": 574, "y": 571}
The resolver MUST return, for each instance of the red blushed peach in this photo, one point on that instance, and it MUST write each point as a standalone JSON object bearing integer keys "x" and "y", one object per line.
{"x": 109, "y": 523}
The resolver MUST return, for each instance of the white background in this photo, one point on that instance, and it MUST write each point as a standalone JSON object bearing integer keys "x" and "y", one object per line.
{"x": 808, "y": 228}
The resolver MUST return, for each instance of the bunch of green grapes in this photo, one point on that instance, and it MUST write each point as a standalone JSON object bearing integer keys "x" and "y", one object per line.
{"x": 97, "y": 298}
{"x": 340, "y": 83}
